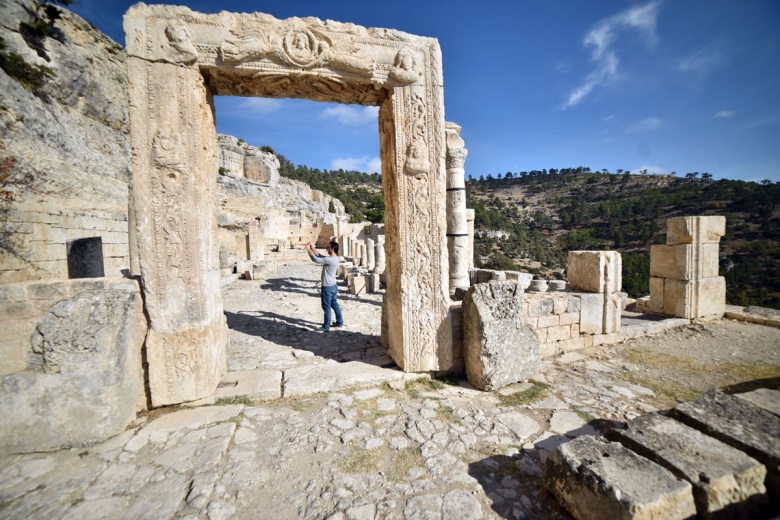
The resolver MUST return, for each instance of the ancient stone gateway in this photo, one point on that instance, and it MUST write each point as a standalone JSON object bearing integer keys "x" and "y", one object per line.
{"x": 177, "y": 61}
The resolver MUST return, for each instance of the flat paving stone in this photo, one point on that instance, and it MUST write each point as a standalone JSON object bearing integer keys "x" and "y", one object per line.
{"x": 722, "y": 476}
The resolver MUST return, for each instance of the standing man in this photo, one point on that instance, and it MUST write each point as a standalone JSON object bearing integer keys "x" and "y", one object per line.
{"x": 329, "y": 288}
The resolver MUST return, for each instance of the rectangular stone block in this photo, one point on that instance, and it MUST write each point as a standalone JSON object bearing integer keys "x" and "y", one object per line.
{"x": 656, "y": 301}
{"x": 695, "y": 298}
{"x": 569, "y": 318}
{"x": 548, "y": 321}
{"x": 595, "y": 271}
{"x": 765, "y": 398}
{"x": 560, "y": 305}
{"x": 559, "y": 333}
{"x": 592, "y": 313}
{"x": 575, "y": 343}
{"x": 357, "y": 285}
{"x": 595, "y": 479}
{"x": 498, "y": 348}
{"x": 523, "y": 278}
{"x": 612, "y": 312}
{"x": 689, "y": 230}
{"x": 684, "y": 261}
{"x": 723, "y": 478}
{"x": 538, "y": 307}
{"x": 740, "y": 424}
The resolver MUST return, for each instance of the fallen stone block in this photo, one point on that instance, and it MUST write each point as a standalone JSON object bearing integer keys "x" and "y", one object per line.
{"x": 740, "y": 424}
{"x": 357, "y": 285}
{"x": 595, "y": 271}
{"x": 596, "y": 479}
{"x": 498, "y": 348}
{"x": 689, "y": 230}
{"x": 725, "y": 480}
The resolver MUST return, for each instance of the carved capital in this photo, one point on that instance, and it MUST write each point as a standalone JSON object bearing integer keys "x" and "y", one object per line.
{"x": 456, "y": 157}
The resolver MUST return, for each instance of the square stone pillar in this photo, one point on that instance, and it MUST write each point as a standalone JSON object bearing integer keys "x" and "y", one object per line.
{"x": 684, "y": 277}
{"x": 174, "y": 194}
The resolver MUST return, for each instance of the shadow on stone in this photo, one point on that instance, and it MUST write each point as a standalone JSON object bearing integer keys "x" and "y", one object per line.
{"x": 341, "y": 345}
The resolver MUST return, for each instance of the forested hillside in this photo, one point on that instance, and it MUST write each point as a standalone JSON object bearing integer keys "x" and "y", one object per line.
{"x": 530, "y": 220}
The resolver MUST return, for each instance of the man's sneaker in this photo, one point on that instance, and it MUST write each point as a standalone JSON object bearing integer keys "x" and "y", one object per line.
{"x": 322, "y": 329}
{"x": 338, "y": 325}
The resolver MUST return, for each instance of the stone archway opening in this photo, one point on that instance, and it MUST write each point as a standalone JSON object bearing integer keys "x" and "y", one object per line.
{"x": 178, "y": 61}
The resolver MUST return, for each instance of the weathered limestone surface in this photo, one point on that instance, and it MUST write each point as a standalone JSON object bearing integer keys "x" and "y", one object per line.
{"x": 595, "y": 479}
{"x": 684, "y": 261}
{"x": 595, "y": 271}
{"x": 740, "y": 424}
{"x": 765, "y": 398}
{"x": 722, "y": 477}
{"x": 312, "y": 379}
{"x": 83, "y": 377}
{"x": 67, "y": 137}
{"x": 499, "y": 348}
{"x": 690, "y": 230}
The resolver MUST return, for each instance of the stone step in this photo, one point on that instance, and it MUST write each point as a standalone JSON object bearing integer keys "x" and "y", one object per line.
{"x": 740, "y": 424}
{"x": 725, "y": 480}
{"x": 312, "y": 379}
{"x": 596, "y": 479}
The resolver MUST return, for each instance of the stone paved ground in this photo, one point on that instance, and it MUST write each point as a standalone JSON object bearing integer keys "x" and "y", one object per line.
{"x": 404, "y": 449}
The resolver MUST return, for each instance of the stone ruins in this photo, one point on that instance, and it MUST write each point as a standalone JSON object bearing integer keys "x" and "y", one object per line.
{"x": 124, "y": 215}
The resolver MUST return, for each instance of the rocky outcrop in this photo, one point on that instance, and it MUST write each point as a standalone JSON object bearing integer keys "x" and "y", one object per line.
{"x": 64, "y": 141}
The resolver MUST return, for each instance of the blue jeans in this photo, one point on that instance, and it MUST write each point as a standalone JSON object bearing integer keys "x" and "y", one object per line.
{"x": 329, "y": 294}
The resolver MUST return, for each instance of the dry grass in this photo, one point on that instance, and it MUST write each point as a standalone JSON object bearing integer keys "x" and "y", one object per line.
{"x": 363, "y": 460}
{"x": 403, "y": 461}
{"x": 533, "y": 394}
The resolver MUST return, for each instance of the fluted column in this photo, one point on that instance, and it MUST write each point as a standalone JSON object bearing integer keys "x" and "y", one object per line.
{"x": 470, "y": 226}
{"x": 457, "y": 229}
{"x": 370, "y": 258}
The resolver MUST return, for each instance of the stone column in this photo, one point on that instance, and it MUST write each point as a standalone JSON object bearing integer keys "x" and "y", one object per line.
{"x": 470, "y": 226}
{"x": 363, "y": 254}
{"x": 370, "y": 257}
{"x": 457, "y": 227}
{"x": 379, "y": 268}
{"x": 174, "y": 194}
{"x": 132, "y": 236}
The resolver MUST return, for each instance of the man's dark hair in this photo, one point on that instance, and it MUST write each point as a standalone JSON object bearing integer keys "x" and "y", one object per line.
{"x": 335, "y": 247}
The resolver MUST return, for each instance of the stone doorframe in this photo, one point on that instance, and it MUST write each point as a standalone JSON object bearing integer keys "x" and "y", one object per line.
{"x": 177, "y": 61}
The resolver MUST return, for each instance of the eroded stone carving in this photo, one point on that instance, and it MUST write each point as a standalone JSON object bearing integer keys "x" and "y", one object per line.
{"x": 182, "y": 49}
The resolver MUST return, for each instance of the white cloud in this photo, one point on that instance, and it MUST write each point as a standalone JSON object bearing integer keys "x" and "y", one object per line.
{"x": 703, "y": 60}
{"x": 366, "y": 164}
{"x": 351, "y": 115}
{"x": 651, "y": 170}
{"x": 374, "y": 165}
{"x": 261, "y": 105}
{"x": 724, "y": 114}
{"x": 602, "y": 36}
{"x": 651, "y": 123}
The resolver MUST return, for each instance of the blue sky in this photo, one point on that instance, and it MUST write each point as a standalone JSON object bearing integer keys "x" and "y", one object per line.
{"x": 667, "y": 86}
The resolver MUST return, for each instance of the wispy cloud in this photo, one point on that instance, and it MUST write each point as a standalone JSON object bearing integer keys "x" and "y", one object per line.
{"x": 366, "y": 164}
{"x": 761, "y": 122}
{"x": 651, "y": 123}
{"x": 261, "y": 105}
{"x": 702, "y": 60}
{"x": 601, "y": 38}
{"x": 351, "y": 115}
{"x": 724, "y": 114}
